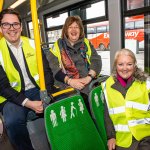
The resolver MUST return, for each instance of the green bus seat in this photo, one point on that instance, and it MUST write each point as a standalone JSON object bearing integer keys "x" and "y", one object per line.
{"x": 96, "y": 101}
{"x": 70, "y": 127}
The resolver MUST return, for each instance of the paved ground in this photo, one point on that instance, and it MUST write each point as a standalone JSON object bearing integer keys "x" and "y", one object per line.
{"x": 106, "y": 61}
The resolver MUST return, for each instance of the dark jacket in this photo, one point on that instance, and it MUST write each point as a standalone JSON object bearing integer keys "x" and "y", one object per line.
{"x": 18, "y": 97}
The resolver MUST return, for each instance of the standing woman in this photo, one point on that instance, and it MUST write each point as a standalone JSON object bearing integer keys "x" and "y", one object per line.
{"x": 127, "y": 108}
{"x": 73, "y": 59}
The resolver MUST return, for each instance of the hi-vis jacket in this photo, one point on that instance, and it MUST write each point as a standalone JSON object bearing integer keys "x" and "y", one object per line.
{"x": 130, "y": 115}
{"x": 12, "y": 73}
{"x": 56, "y": 51}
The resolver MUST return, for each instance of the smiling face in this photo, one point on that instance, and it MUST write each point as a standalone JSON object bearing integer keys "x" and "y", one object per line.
{"x": 73, "y": 33}
{"x": 125, "y": 66}
{"x": 12, "y": 35}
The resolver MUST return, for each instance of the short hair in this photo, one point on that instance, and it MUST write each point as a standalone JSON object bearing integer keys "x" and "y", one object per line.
{"x": 68, "y": 22}
{"x": 9, "y": 11}
{"x": 138, "y": 74}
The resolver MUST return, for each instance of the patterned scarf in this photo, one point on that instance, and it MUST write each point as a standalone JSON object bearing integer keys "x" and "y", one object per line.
{"x": 68, "y": 64}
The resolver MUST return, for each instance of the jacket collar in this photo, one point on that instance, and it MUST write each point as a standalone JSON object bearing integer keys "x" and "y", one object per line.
{"x": 123, "y": 90}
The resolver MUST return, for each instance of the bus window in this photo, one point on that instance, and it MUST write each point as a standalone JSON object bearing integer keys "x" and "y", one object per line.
{"x": 99, "y": 39}
{"x": 53, "y": 36}
{"x": 91, "y": 30}
{"x": 139, "y": 24}
{"x": 134, "y": 31}
{"x": 129, "y": 25}
{"x": 98, "y": 7}
{"x": 101, "y": 29}
{"x": 134, "y": 4}
{"x": 54, "y": 23}
{"x": 57, "y": 21}
{"x": 30, "y": 27}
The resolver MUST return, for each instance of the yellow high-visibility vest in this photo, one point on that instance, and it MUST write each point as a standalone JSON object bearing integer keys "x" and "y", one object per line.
{"x": 56, "y": 51}
{"x": 11, "y": 72}
{"x": 130, "y": 115}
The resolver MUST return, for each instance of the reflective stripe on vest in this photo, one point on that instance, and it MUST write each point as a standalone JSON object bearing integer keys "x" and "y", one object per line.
{"x": 148, "y": 84}
{"x": 14, "y": 84}
{"x": 133, "y": 123}
{"x": 117, "y": 110}
{"x": 36, "y": 77}
{"x": 122, "y": 128}
{"x": 135, "y": 105}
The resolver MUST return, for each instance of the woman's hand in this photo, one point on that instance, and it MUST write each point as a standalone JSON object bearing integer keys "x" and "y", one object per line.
{"x": 76, "y": 83}
{"x": 111, "y": 144}
{"x": 86, "y": 80}
{"x": 37, "y": 106}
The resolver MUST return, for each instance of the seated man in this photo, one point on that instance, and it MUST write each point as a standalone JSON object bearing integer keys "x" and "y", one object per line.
{"x": 19, "y": 79}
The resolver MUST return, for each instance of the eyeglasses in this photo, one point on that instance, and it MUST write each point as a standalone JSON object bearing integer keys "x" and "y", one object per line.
{"x": 15, "y": 25}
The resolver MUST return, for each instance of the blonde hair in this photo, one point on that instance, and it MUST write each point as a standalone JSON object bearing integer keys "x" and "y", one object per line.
{"x": 138, "y": 74}
{"x": 68, "y": 22}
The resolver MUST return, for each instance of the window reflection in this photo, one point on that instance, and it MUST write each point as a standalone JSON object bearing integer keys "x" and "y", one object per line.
{"x": 53, "y": 36}
{"x": 57, "y": 21}
{"x": 147, "y": 43}
{"x": 98, "y": 35}
{"x": 98, "y": 7}
{"x": 31, "y": 31}
{"x": 134, "y": 4}
{"x": 134, "y": 37}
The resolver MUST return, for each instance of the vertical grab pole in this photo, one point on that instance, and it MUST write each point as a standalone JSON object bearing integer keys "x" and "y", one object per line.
{"x": 1, "y": 7}
{"x": 37, "y": 43}
{"x": 43, "y": 92}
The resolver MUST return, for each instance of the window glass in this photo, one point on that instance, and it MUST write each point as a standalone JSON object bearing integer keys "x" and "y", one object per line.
{"x": 147, "y": 42}
{"x": 139, "y": 24}
{"x": 98, "y": 7}
{"x": 101, "y": 29}
{"x": 134, "y": 4}
{"x": 30, "y": 27}
{"x": 53, "y": 36}
{"x": 57, "y": 21}
{"x": 129, "y": 25}
{"x": 91, "y": 30}
{"x": 134, "y": 37}
{"x": 99, "y": 38}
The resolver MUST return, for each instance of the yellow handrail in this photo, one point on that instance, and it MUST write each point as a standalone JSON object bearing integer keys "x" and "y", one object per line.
{"x": 1, "y": 5}
{"x": 63, "y": 92}
{"x": 37, "y": 44}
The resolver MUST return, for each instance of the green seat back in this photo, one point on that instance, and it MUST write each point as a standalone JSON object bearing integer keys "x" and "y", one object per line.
{"x": 97, "y": 109}
{"x": 70, "y": 127}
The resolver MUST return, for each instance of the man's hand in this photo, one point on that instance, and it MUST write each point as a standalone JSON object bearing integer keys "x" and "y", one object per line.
{"x": 37, "y": 106}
